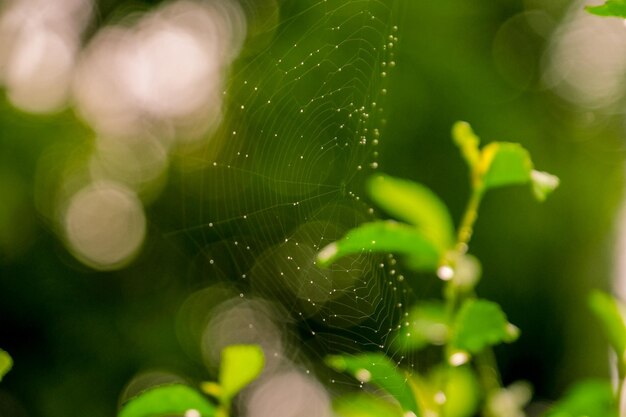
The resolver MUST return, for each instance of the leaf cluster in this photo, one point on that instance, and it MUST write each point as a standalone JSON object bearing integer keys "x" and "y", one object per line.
{"x": 240, "y": 365}
{"x": 466, "y": 326}
{"x": 424, "y": 231}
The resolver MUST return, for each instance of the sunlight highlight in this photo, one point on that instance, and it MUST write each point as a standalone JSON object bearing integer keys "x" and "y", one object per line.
{"x": 289, "y": 393}
{"x": 39, "y": 44}
{"x": 105, "y": 225}
{"x": 586, "y": 61}
{"x": 138, "y": 162}
{"x": 162, "y": 76}
{"x": 244, "y": 321}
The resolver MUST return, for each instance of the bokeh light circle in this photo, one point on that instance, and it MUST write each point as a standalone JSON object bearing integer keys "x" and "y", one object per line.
{"x": 104, "y": 225}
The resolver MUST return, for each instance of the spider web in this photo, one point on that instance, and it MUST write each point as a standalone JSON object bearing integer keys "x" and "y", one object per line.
{"x": 284, "y": 177}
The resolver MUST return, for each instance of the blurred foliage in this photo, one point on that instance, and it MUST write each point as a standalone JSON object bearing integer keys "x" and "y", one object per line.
{"x": 588, "y": 398}
{"x": 241, "y": 364}
{"x": 6, "y": 363}
{"x": 377, "y": 369}
{"x": 167, "y": 400}
{"x": 561, "y": 249}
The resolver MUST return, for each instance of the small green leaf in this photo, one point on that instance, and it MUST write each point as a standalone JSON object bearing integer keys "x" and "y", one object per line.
{"x": 6, "y": 363}
{"x": 586, "y": 399}
{"x": 377, "y": 369}
{"x": 167, "y": 400}
{"x": 240, "y": 365}
{"x": 414, "y": 204}
{"x": 500, "y": 164}
{"x": 468, "y": 142}
{"x": 427, "y": 326}
{"x": 462, "y": 390}
{"x": 384, "y": 236}
{"x": 481, "y": 323}
{"x": 211, "y": 388}
{"x": 612, "y": 8}
{"x": 364, "y": 405}
{"x": 543, "y": 184}
{"x": 607, "y": 310}
{"x": 503, "y": 164}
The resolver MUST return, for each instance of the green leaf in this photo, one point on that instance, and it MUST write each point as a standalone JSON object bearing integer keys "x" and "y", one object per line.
{"x": 612, "y": 8}
{"x": 586, "y": 399}
{"x": 384, "y": 236}
{"x": 414, "y": 204}
{"x": 481, "y": 323}
{"x": 6, "y": 363}
{"x": 607, "y": 310}
{"x": 461, "y": 388}
{"x": 462, "y": 391}
{"x": 240, "y": 365}
{"x": 377, "y": 369}
{"x": 468, "y": 143}
{"x": 424, "y": 392}
{"x": 503, "y": 164}
{"x": 364, "y": 405}
{"x": 167, "y": 400}
{"x": 426, "y": 326}
{"x": 543, "y": 184}
{"x": 500, "y": 164}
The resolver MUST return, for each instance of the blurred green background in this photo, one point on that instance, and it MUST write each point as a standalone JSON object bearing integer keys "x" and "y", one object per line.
{"x": 523, "y": 71}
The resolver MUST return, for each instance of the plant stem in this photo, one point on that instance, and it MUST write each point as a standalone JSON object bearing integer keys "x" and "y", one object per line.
{"x": 465, "y": 231}
{"x": 466, "y": 228}
{"x": 223, "y": 411}
{"x": 485, "y": 362}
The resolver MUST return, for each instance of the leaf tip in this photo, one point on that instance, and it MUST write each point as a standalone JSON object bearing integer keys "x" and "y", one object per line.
{"x": 336, "y": 362}
{"x": 211, "y": 388}
{"x": 376, "y": 178}
{"x": 467, "y": 141}
{"x": 611, "y": 8}
{"x": 592, "y": 9}
{"x": 363, "y": 375}
{"x": 327, "y": 254}
{"x": 458, "y": 358}
{"x": 512, "y": 333}
{"x": 543, "y": 184}
{"x": 460, "y": 128}
{"x": 192, "y": 412}
{"x": 240, "y": 365}
{"x": 462, "y": 133}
